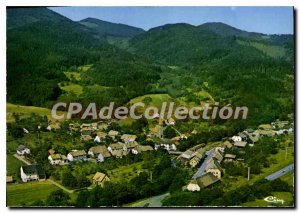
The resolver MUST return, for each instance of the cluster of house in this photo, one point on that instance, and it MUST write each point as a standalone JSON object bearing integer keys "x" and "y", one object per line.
{"x": 250, "y": 136}
{"x": 92, "y": 131}
{"x": 103, "y": 151}
{"x": 210, "y": 170}
{"x": 192, "y": 156}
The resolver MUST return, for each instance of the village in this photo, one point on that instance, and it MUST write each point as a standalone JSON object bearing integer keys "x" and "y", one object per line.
{"x": 206, "y": 162}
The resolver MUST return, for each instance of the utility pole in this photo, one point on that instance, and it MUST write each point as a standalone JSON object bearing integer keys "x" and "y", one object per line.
{"x": 248, "y": 173}
{"x": 286, "y": 148}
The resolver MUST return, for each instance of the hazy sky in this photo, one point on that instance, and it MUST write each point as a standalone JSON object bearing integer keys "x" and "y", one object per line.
{"x": 269, "y": 20}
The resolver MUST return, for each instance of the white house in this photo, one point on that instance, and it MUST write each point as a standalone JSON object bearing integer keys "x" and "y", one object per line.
{"x": 140, "y": 149}
{"x": 127, "y": 138}
{"x": 77, "y": 155}
{"x": 57, "y": 159}
{"x": 23, "y": 150}
{"x": 32, "y": 173}
{"x": 236, "y": 138}
{"x": 193, "y": 186}
{"x": 202, "y": 182}
{"x": 100, "y": 137}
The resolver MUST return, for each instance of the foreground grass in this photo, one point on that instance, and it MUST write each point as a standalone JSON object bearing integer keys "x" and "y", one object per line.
{"x": 26, "y": 193}
{"x": 287, "y": 197}
{"x": 13, "y": 167}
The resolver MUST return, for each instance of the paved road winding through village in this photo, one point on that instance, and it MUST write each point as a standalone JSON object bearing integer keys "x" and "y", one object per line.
{"x": 281, "y": 172}
{"x": 151, "y": 202}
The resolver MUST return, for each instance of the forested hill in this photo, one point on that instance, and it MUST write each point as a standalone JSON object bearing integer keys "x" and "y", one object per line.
{"x": 42, "y": 45}
{"x": 111, "y": 29}
{"x": 185, "y": 43}
{"x": 45, "y": 51}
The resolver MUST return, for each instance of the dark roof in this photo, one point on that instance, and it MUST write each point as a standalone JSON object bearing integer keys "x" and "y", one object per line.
{"x": 34, "y": 169}
{"x": 207, "y": 180}
{"x": 21, "y": 148}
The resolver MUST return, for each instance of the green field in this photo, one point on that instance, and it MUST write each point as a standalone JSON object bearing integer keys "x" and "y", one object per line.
{"x": 125, "y": 172}
{"x": 13, "y": 167}
{"x": 26, "y": 193}
{"x": 25, "y": 111}
{"x": 157, "y": 99}
{"x": 72, "y": 88}
{"x": 270, "y": 50}
{"x": 73, "y": 75}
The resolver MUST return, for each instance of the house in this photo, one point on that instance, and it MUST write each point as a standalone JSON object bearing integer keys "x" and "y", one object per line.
{"x": 25, "y": 131}
{"x": 86, "y": 137}
{"x": 166, "y": 144}
{"x": 51, "y": 151}
{"x": 23, "y": 150}
{"x": 126, "y": 138}
{"x": 94, "y": 126}
{"x": 247, "y": 131}
{"x": 176, "y": 139}
{"x": 74, "y": 127}
{"x": 202, "y": 182}
{"x": 170, "y": 122}
{"x": 100, "y": 178}
{"x": 77, "y": 155}
{"x": 194, "y": 132}
{"x": 279, "y": 124}
{"x": 236, "y": 138}
{"x": 265, "y": 133}
{"x": 229, "y": 157}
{"x": 139, "y": 149}
{"x": 218, "y": 154}
{"x": 102, "y": 126}
{"x": 214, "y": 167}
{"x": 85, "y": 126}
{"x": 240, "y": 144}
{"x": 53, "y": 125}
{"x": 278, "y": 131}
{"x": 130, "y": 145}
{"x": 186, "y": 156}
{"x": 119, "y": 153}
{"x": 57, "y": 159}
{"x": 101, "y": 152}
{"x": 9, "y": 179}
{"x": 113, "y": 134}
{"x": 100, "y": 137}
{"x": 253, "y": 137}
{"x": 265, "y": 127}
{"x": 243, "y": 136}
{"x": 227, "y": 144}
{"x": 32, "y": 173}
{"x": 197, "y": 158}
{"x": 116, "y": 146}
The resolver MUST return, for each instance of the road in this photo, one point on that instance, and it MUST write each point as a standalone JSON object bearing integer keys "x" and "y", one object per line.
{"x": 151, "y": 202}
{"x": 281, "y": 172}
{"x": 21, "y": 158}
{"x": 202, "y": 168}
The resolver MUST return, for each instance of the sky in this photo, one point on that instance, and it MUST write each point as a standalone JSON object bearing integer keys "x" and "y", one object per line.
{"x": 268, "y": 20}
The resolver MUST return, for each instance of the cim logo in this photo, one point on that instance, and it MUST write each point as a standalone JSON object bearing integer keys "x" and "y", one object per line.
{"x": 273, "y": 199}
